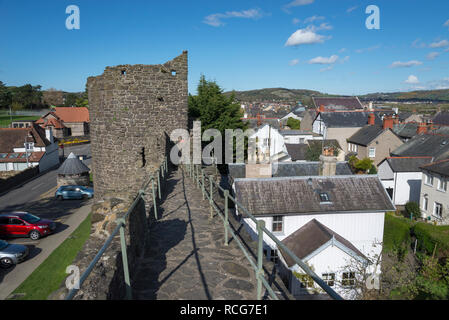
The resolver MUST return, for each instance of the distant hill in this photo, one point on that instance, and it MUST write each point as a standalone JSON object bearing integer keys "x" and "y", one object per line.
{"x": 425, "y": 95}
{"x": 275, "y": 95}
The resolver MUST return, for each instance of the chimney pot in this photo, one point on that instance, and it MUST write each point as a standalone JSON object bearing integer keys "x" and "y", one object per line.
{"x": 422, "y": 128}
{"x": 371, "y": 119}
{"x": 388, "y": 122}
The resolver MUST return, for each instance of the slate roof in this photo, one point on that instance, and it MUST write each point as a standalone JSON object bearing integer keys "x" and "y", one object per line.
{"x": 351, "y": 119}
{"x": 366, "y": 135}
{"x": 301, "y": 195}
{"x": 327, "y": 143}
{"x": 350, "y": 103}
{"x": 311, "y": 237}
{"x": 72, "y": 165}
{"x": 439, "y": 167}
{"x": 295, "y": 132}
{"x": 11, "y": 138}
{"x": 20, "y": 157}
{"x": 441, "y": 118}
{"x": 290, "y": 169}
{"x": 406, "y": 130}
{"x": 407, "y": 164}
{"x": 424, "y": 145}
{"x": 297, "y": 151}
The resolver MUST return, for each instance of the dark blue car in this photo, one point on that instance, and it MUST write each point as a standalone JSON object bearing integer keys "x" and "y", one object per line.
{"x": 74, "y": 192}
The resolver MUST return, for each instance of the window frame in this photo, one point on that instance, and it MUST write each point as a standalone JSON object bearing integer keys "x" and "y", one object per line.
{"x": 281, "y": 223}
{"x": 369, "y": 152}
{"x": 442, "y": 182}
{"x": 428, "y": 177}
{"x": 435, "y": 206}
{"x": 425, "y": 205}
{"x": 329, "y": 278}
{"x": 348, "y": 281}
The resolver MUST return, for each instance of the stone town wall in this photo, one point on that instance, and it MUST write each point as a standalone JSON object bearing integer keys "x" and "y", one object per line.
{"x": 133, "y": 109}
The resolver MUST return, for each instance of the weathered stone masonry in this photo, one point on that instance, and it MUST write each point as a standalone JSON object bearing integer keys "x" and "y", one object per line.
{"x": 133, "y": 109}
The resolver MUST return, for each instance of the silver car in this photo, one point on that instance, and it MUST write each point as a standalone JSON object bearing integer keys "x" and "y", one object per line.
{"x": 11, "y": 254}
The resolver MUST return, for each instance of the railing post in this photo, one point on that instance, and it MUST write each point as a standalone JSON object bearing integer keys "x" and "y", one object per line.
{"x": 163, "y": 172}
{"x": 159, "y": 184}
{"x": 166, "y": 165}
{"x": 211, "y": 193}
{"x": 259, "y": 275}
{"x": 197, "y": 177}
{"x": 225, "y": 222}
{"x": 202, "y": 184}
{"x": 154, "y": 199}
{"x": 125, "y": 260}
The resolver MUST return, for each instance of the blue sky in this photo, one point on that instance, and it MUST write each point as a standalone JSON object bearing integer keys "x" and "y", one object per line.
{"x": 302, "y": 44}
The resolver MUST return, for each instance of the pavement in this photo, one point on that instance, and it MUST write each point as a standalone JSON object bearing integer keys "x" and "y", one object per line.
{"x": 37, "y": 197}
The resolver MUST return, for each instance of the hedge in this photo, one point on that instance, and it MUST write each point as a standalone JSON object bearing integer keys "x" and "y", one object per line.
{"x": 396, "y": 232}
{"x": 429, "y": 235}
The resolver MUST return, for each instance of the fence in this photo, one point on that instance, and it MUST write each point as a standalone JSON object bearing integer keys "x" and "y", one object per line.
{"x": 197, "y": 173}
{"x": 155, "y": 182}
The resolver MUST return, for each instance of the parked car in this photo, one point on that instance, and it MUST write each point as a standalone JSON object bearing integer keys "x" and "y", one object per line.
{"x": 11, "y": 254}
{"x": 74, "y": 192}
{"x": 24, "y": 224}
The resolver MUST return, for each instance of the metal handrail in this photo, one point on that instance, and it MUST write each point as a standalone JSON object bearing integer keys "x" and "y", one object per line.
{"x": 261, "y": 230}
{"x": 121, "y": 225}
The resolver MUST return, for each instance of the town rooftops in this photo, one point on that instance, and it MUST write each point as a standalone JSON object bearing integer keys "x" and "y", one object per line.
{"x": 298, "y": 151}
{"x": 11, "y": 138}
{"x": 295, "y": 132}
{"x": 21, "y": 157}
{"x": 351, "y": 119}
{"x": 406, "y": 130}
{"x": 313, "y": 236}
{"x": 424, "y": 145}
{"x": 254, "y": 123}
{"x": 72, "y": 114}
{"x": 289, "y": 169}
{"x": 441, "y": 118}
{"x": 313, "y": 195}
{"x": 407, "y": 164}
{"x": 350, "y": 103}
{"x": 55, "y": 122}
{"x": 72, "y": 165}
{"x": 439, "y": 167}
{"x": 366, "y": 134}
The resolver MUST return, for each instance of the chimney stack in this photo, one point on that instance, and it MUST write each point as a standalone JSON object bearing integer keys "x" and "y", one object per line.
{"x": 422, "y": 128}
{"x": 388, "y": 122}
{"x": 371, "y": 119}
{"x": 395, "y": 119}
{"x": 328, "y": 162}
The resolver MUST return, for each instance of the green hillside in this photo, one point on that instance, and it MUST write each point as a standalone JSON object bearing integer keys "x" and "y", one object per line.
{"x": 275, "y": 95}
{"x": 426, "y": 95}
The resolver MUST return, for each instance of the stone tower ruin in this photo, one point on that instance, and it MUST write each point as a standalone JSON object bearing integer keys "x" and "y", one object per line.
{"x": 133, "y": 109}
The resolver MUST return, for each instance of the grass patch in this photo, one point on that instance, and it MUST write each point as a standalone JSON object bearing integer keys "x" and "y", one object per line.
{"x": 5, "y": 119}
{"x": 396, "y": 232}
{"x": 429, "y": 235}
{"x": 51, "y": 273}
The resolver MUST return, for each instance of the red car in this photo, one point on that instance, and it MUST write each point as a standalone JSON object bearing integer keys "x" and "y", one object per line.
{"x": 24, "y": 224}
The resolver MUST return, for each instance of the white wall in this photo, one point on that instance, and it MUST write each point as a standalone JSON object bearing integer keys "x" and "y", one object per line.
{"x": 277, "y": 140}
{"x": 361, "y": 229}
{"x": 407, "y": 187}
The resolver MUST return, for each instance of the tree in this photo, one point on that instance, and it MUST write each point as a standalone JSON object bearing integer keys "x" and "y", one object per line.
{"x": 214, "y": 109}
{"x": 293, "y": 123}
{"x": 362, "y": 166}
{"x": 413, "y": 209}
{"x": 5, "y": 96}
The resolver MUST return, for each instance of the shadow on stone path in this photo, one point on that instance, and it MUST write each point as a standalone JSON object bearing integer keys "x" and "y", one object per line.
{"x": 186, "y": 257}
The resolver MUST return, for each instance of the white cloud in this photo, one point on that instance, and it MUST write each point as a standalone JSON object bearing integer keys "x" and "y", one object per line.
{"x": 418, "y": 44}
{"x": 408, "y": 64}
{"x": 305, "y": 36}
{"x": 294, "y": 62}
{"x": 327, "y": 69}
{"x": 351, "y": 9}
{"x": 297, "y": 3}
{"x": 342, "y": 50}
{"x": 412, "y": 80}
{"x": 439, "y": 44}
{"x": 215, "y": 20}
{"x": 296, "y": 21}
{"x": 313, "y": 19}
{"x": 323, "y": 60}
{"x": 446, "y": 24}
{"x": 368, "y": 49}
{"x": 433, "y": 55}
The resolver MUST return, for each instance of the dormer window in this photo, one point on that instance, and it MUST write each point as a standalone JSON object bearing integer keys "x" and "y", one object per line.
{"x": 324, "y": 197}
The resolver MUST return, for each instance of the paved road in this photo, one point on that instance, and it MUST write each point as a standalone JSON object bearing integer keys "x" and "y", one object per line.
{"x": 37, "y": 197}
{"x": 16, "y": 198}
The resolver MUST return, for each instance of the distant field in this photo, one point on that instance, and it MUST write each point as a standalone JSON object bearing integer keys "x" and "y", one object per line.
{"x": 5, "y": 119}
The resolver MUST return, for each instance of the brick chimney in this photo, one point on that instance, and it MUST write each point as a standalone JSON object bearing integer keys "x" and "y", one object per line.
{"x": 328, "y": 163}
{"x": 422, "y": 128}
{"x": 371, "y": 119}
{"x": 388, "y": 122}
{"x": 321, "y": 108}
{"x": 395, "y": 119}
